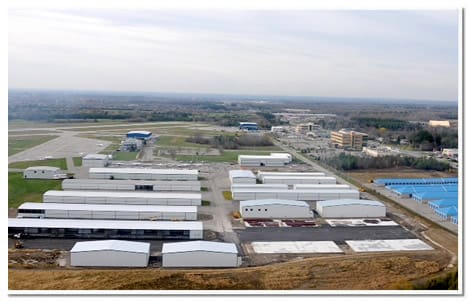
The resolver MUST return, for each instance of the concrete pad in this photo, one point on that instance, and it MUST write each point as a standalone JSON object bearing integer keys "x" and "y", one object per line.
{"x": 359, "y": 222}
{"x": 270, "y": 247}
{"x": 388, "y": 245}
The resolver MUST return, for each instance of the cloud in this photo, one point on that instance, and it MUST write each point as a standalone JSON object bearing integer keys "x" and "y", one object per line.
{"x": 326, "y": 53}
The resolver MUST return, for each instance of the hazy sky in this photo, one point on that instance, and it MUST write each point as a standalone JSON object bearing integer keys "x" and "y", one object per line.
{"x": 391, "y": 54}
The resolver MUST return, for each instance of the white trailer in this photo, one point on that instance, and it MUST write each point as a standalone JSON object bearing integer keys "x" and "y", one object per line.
{"x": 200, "y": 254}
{"x": 44, "y": 172}
{"x": 143, "y": 174}
{"x": 274, "y": 208}
{"x": 110, "y": 253}
{"x": 97, "y": 211}
{"x": 95, "y": 160}
{"x": 296, "y": 195}
{"x": 320, "y": 186}
{"x": 130, "y": 185}
{"x": 242, "y": 176}
{"x": 298, "y": 180}
{"x": 122, "y": 197}
{"x": 261, "y": 174}
{"x": 350, "y": 208}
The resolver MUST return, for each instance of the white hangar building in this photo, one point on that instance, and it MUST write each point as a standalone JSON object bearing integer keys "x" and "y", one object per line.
{"x": 242, "y": 177}
{"x": 273, "y": 160}
{"x": 320, "y": 186}
{"x": 274, "y": 209}
{"x": 295, "y": 195}
{"x": 86, "y": 228}
{"x": 350, "y": 208}
{"x": 200, "y": 254}
{"x": 98, "y": 211}
{"x": 143, "y": 174}
{"x": 130, "y": 185}
{"x": 110, "y": 253}
{"x": 291, "y": 180}
{"x": 122, "y": 197}
{"x": 259, "y": 186}
{"x": 261, "y": 174}
{"x": 43, "y": 172}
{"x": 95, "y": 160}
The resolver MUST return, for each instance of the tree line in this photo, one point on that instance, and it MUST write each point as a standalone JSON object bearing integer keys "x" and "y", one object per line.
{"x": 349, "y": 162}
{"x": 231, "y": 142}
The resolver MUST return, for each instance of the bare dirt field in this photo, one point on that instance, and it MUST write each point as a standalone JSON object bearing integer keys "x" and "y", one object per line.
{"x": 355, "y": 272}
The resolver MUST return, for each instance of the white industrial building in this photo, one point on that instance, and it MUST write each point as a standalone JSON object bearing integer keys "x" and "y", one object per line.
{"x": 296, "y": 195}
{"x": 143, "y": 174}
{"x": 273, "y": 160}
{"x": 320, "y": 186}
{"x": 130, "y": 185}
{"x": 274, "y": 208}
{"x": 93, "y": 211}
{"x": 242, "y": 177}
{"x": 259, "y": 186}
{"x": 121, "y": 197}
{"x": 261, "y": 174}
{"x": 43, "y": 172}
{"x": 298, "y": 180}
{"x": 85, "y": 228}
{"x": 350, "y": 208}
{"x": 200, "y": 254}
{"x": 110, "y": 253}
{"x": 286, "y": 156}
{"x": 95, "y": 160}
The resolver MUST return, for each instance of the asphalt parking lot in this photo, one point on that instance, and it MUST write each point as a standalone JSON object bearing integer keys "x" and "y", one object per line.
{"x": 323, "y": 233}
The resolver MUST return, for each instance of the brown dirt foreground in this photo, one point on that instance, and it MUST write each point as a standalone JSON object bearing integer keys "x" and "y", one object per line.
{"x": 354, "y": 272}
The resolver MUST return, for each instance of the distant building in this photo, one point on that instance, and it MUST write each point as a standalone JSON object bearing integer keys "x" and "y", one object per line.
{"x": 277, "y": 129}
{"x": 141, "y": 135}
{"x": 346, "y": 138}
{"x": 305, "y": 128}
{"x": 378, "y": 152}
{"x": 95, "y": 160}
{"x": 441, "y": 123}
{"x": 451, "y": 153}
{"x": 43, "y": 172}
{"x": 248, "y": 126}
{"x": 131, "y": 145}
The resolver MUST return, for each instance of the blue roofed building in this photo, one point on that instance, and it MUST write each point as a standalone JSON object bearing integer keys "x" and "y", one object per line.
{"x": 248, "y": 126}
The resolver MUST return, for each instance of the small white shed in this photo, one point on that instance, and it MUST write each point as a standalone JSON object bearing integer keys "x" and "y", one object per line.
{"x": 350, "y": 208}
{"x": 200, "y": 254}
{"x": 242, "y": 177}
{"x": 274, "y": 208}
{"x": 43, "y": 172}
{"x": 110, "y": 253}
{"x": 95, "y": 160}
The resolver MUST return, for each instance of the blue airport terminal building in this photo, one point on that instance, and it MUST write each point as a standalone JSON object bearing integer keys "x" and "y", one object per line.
{"x": 248, "y": 126}
{"x": 142, "y": 135}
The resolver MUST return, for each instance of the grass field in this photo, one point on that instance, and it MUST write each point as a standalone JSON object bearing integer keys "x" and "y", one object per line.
{"x": 21, "y": 190}
{"x": 176, "y": 141}
{"x": 77, "y": 161}
{"x": 20, "y": 124}
{"x": 124, "y": 127}
{"x": 60, "y": 163}
{"x": 229, "y": 156}
{"x": 20, "y": 143}
{"x": 124, "y": 156}
{"x": 227, "y": 195}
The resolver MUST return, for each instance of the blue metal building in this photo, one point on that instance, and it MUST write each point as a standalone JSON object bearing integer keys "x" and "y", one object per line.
{"x": 142, "y": 135}
{"x": 249, "y": 126}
